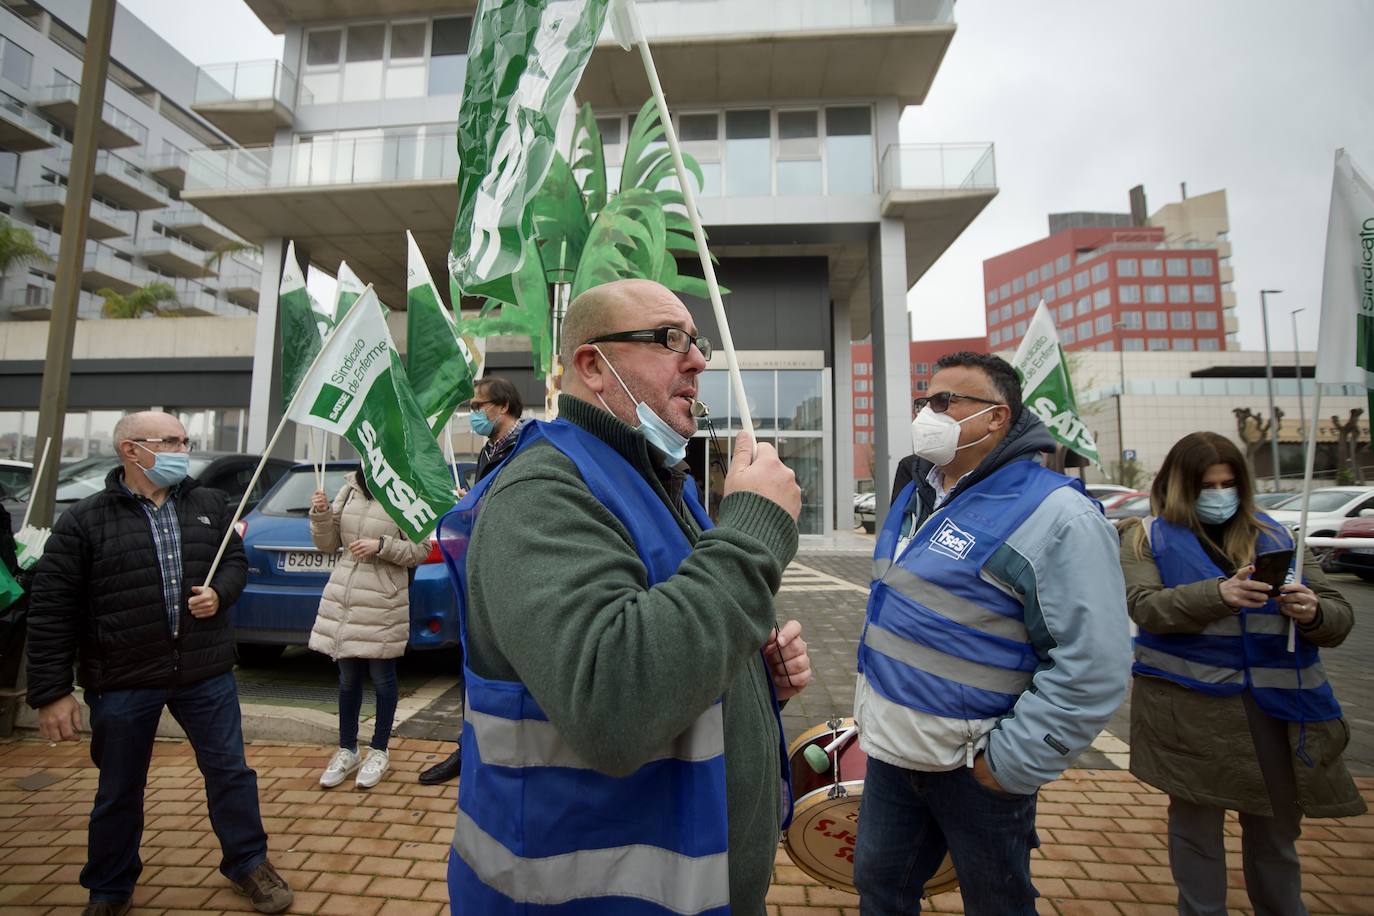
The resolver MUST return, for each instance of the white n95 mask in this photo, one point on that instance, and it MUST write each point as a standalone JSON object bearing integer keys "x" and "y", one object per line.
{"x": 935, "y": 436}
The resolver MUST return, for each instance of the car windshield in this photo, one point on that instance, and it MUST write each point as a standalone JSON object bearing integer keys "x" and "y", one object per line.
{"x": 86, "y": 477}
{"x": 1273, "y": 500}
{"x": 1321, "y": 501}
{"x": 292, "y": 495}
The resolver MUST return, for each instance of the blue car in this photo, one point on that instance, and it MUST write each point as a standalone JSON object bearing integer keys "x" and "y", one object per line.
{"x": 287, "y": 575}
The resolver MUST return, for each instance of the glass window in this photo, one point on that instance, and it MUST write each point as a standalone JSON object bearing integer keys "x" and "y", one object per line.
{"x": 692, "y": 128}
{"x": 1105, "y": 346}
{"x": 849, "y": 150}
{"x": 1127, "y": 267}
{"x": 1156, "y": 321}
{"x": 994, "y": 338}
{"x": 362, "y": 75}
{"x": 322, "y": 47}
{"x": 992, "y": 316}
{"x": 9, "y": 169}
{"x": 1204, "y": 292}
{"x": 1046, "y": 271}
{"x": 448, "y": 55}
{"x": 1047, "y": 294}
{"x": 799, "y": 154}
{"x": 1202, "y": 267}
{"x": 1178, "y": 293}
{"x": 799, "y": 400}
{"x": 1004, "y": 291}
{"x": 861, "y": 368}
{"x": 1131, "y": 320}
{"x": 759, "y": 388}
{"x": 407, "y": 40}
{"x": 1181, "y": 321}
{"x": 1102, "y": 298}
{"x": 1085, "y": 330}
{"x": 922, "y": 385}
{"x": 862, "y": 403}
{"x": 1205, "y": 321}
{"x": 861, "y": 438}
{"x": 748, "y": 153}
{"x": 1066, "y": 311}
{"x": 862, "y": 420}
{"x": 1183, "y": 343}
{"x": 1080, "y": 280}
{"x": 1103, "y": 324}
{"x": 1067, "y": 336}
{"x": 921, "y": 369}
{"x": 1152, "y": 267}
{"x": 1100, "y": 272}
{"x": 609, "y": 128}
{"x": 1084, "y": 305}
{"x": 1017, "y": 284}
{"x": 1154, "y": 293}
{"x": 1006, "y": 312}
{"x": 992, "y": 296}
{"x": 1178, "y": 267}
{"x": 1159, "y": 343}
{"x": 1132, "y": 343}
{"x": 1061, "y": 263}
{"x": 1065, "y": 286}
{"x": 1020, "y": 328}
{"x": 16, "y": 64}
{"x": 1032, "y": 278}
{"x": 1018, "y": 307}
{"x": 1209, "y": 343}
{"x": 1129, "y": 292}
{"x": 799, "y": 176}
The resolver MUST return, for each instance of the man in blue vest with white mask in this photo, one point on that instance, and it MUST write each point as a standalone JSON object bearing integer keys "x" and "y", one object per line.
{"x": 622, "y": 750}
{"x": 995, "y": 648}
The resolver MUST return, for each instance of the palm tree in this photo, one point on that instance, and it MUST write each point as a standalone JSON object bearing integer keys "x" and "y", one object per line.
{"x": 216, "y": 258}
{"x": 18, "y": 248}
{"x": 151, "y": 299}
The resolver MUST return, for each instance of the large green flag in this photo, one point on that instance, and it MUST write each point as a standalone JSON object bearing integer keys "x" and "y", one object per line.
{"x": 439, "y": 364}
{"x": 299, "y": 326}
{"x": 347, "y": 291}
{"x": 1047, "y": 389}
{"x": 10, "y": 590}
{"x": 358, "y": 389}
{"x": 524, "y": 61}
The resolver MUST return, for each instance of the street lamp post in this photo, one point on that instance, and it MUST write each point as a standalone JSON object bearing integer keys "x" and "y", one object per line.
{"x": 1269, "y": 381}
{"x": 1297, "y": 374}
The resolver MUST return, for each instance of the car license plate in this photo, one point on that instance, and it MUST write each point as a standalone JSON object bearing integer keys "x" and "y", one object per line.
{"x": 297, "y": 561}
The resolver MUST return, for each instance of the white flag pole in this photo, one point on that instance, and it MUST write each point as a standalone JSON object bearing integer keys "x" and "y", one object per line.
{"x": 452, "y": 458}
{"x": 684, "y": 179}
{"x": 1300, "y": 548}
{"x": 37, "y": 476}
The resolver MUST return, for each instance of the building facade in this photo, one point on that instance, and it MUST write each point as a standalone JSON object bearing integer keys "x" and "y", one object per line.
{"x": 140, "y": 230}
{"x": 821, "y": 218}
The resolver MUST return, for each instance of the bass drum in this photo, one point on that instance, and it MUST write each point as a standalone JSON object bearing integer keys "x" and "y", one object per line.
{"x": 825, "y": 816}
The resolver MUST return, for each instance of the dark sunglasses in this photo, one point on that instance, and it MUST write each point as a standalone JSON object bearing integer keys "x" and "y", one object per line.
{"x": 940, "y": 401}
{"x": 675, "y": 339}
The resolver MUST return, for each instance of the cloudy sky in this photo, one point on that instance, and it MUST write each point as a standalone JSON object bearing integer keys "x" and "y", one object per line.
{"x": 1086, "y": 98}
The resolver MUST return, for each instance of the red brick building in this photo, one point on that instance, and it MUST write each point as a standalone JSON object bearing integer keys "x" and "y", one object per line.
{"x": 1108, "y": 288}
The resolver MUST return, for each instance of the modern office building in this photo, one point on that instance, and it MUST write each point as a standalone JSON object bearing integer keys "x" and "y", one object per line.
{"x": 140, "y": 232}
{"x": 821, "y": 218}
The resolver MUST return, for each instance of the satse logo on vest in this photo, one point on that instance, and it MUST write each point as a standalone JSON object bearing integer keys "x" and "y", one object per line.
{"x": 952, "y": 541}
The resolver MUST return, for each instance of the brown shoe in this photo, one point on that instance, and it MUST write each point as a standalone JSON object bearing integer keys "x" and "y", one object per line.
{"x": 265, "y": 888}
{"x": 106, "y": 908}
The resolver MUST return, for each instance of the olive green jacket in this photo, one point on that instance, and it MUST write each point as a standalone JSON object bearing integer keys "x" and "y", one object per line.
{"x": 1198, "y": 747}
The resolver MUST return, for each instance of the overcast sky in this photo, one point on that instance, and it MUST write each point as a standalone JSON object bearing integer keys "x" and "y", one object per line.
{"x": 1084, "y": 99}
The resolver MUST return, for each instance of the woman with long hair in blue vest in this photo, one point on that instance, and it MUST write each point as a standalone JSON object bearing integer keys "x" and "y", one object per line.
{"x": 1223, "y": 716}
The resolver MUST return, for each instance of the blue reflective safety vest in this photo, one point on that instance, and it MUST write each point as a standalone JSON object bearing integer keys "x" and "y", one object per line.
{"x": 939, "y": 638}
{"x": 539, "y": 831}
{"x": 1247, "y": 650}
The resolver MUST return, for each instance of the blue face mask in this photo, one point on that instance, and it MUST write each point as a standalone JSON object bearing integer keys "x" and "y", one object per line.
{"x": 169, "y": 468}
{"x": 1217, "y": 506}
{"x": 481, "y": 423}
{"x": 653, "y": 427}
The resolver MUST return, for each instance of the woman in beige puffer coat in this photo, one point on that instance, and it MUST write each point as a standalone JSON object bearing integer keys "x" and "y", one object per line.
{"x": 364, "y": 618}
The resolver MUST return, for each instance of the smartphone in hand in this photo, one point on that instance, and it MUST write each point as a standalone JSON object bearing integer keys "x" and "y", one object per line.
{"x": 1272, "y": 569}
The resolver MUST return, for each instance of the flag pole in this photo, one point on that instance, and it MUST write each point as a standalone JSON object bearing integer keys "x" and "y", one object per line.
{"x": 689, "y": 198}
{"x": 33, "y": 485}
{"x": 1301, "y": 547}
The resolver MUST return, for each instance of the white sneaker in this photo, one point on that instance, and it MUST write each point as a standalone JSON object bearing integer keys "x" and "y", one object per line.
{"x": 341, "y": 764}
{"x": 373, "y": 768}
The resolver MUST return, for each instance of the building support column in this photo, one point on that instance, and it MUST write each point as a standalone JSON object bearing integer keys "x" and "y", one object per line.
{"x": 843, "y": 459}
{"x": 264, "y": 400}
{"x": 891, "y": 357}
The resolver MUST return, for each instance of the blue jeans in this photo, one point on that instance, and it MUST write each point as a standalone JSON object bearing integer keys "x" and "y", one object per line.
{"x": 383, "y": 674}
{"x": 123, "y": 725}
{"x": 909, "y": 819}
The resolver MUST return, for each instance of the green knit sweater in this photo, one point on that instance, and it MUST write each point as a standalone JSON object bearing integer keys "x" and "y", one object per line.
{"x": 559, "y": 600}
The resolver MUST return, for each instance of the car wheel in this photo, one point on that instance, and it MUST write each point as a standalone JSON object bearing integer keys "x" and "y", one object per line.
{"x": 256, "y": 655}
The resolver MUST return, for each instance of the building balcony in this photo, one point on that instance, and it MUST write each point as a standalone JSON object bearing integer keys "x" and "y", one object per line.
{"x": 48, "y": 202}
{"x": 195, "y": 300}
{"x": 1226, "y": 273}
{"x": 126, "y": 184}
{"x": 190, "y": 223}
{"x": 117, "y": 130}
{"x": 28, "y": 303}
{"x": 1231, "y": 322}
{"x": 175, "y": 256}
{"x": 22, "y": 131}
{"x": 240, "y": 285}
{"x": 249, "y": 101}
{"x": 170, "y": 168}
{"x": 743, "y": 50}
{"x": 101, "y": 268}
{"x": 937, "y": 190}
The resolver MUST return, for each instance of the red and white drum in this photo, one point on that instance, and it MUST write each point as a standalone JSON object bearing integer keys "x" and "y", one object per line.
{"x": 825, "y": 814}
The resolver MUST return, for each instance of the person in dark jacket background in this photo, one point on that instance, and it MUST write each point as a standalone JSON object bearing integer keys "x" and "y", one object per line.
{"x": 118, "y": 592}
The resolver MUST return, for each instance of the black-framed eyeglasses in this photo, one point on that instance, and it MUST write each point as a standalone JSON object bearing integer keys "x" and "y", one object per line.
{"x": 173, "y": 441}
{"x": 675, "y": 339}
{"x": 940, "y": 401}
{"x": 475, "y": 404}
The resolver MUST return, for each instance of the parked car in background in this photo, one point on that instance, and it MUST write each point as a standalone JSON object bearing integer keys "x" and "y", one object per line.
{"x": 1112, "y": 500}
{"x": 1273, "y": 500}
{"x": 1357, "y": 560}
{"x": 1327, "y": 509}
{"x": 287, "y": 574}
{"x": 1135, "y": 506}
{"x": 1104, "y": 491}
{"x": 227, "y": 472}
{"x": 864, "y": 512}
{"x": 14, "y": 476}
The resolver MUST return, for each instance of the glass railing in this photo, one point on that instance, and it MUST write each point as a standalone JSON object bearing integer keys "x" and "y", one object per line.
{"x": 71, "y": 92}
{"x": 325, "y": 162}
{"x": 247, "y": 81}
{"x": 46, "y": 193}
{"x": 186, "y": 215}
{"x": 17, "y": 112}
{"x": 126, "y": 172}
{"x": 671, "y": 18}
{"x": 171, "y": 159}
{"x": 102, "y": 258}
{"x": 161, "y": 244}
{"x": 939, "y": 166}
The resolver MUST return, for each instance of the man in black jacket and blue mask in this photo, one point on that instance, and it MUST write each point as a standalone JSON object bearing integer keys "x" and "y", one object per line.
{"x": 118, "y": 593}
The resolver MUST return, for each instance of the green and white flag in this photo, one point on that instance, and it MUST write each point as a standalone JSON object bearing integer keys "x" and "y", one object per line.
{"x": 439, "y": 363}
{"x": 1345, "y": 351}
{"x": 346, "y": 292}
{"x": 1047, "y": 389}
{"x": 357, "y": 389}
{"x": 525, "y": 59}
{"x": 298, "y": 322}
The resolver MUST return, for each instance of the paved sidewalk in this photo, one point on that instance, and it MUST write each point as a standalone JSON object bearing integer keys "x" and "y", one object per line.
{"x": 383, "y": 851}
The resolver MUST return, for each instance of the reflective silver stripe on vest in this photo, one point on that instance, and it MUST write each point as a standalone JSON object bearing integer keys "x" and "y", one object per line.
{"x": 880, "y": 568}
{"x": 933, "y": 661}
{"x": 677, "y": 882}
{"x": 537, "y": 743}
{"x": 1313, "y": 676}
{"x": 1269, "y": 624}
{"x": 1172, "y": 664}
{"x": 1224, "y": 626}
{"x": 950, "y": 605}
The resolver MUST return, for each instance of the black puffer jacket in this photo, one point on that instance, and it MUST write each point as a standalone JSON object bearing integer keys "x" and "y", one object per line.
{"x": 97, "y": 592}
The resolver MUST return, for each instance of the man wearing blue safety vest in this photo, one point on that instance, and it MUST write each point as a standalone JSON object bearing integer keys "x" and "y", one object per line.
{"x": 621, "y": 747}
{"x": 995, "y": 648}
